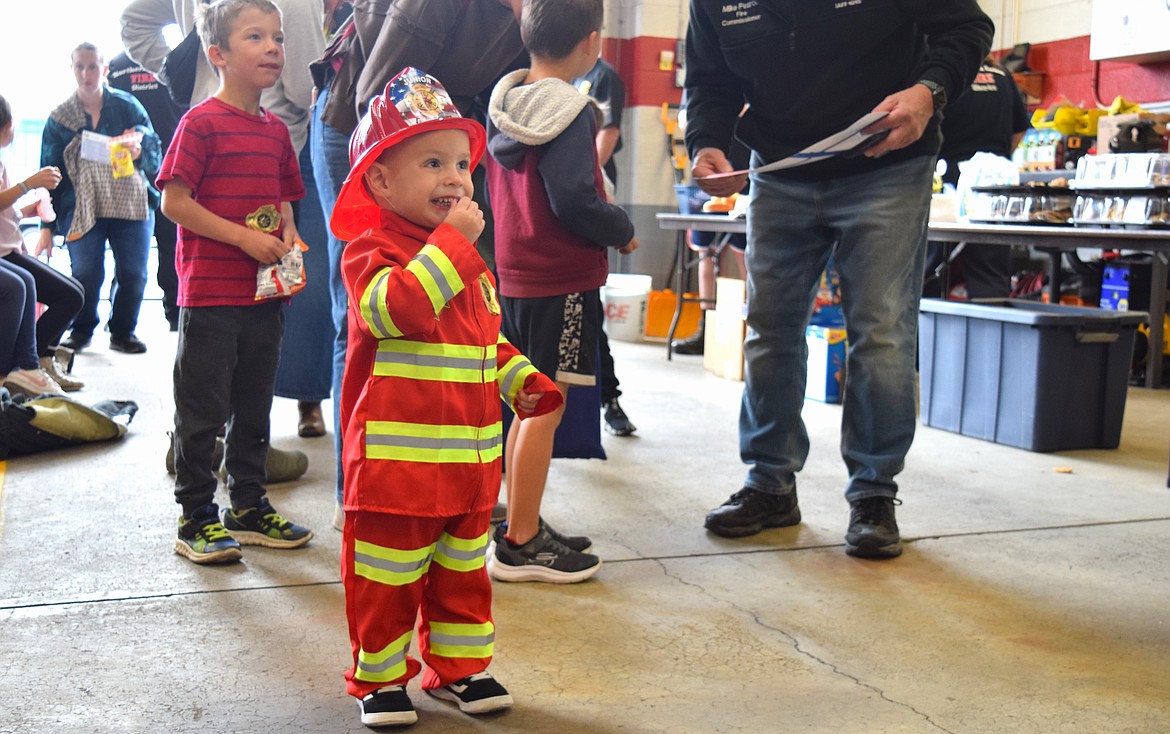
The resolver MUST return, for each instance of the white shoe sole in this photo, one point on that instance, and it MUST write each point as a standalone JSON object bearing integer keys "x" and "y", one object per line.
{"x": 511, "y": 574}
{"x": 249, "y": 537}
{"x": 388, "y": 718}
{"x": 223, "y": 556}
{"x": 483, "y": 706}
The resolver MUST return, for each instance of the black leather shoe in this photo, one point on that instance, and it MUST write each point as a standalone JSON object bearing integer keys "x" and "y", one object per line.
{"x": 690, "y": 345}
{"x": 749, "y": 511}
{"x": 873, "y": 529}
{"x": 75, "y": 342}
{"x": 127, "y": 343}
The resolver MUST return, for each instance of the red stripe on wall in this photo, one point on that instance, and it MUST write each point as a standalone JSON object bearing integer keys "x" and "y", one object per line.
{"x": 636, "y": 61}
{"x": 1069, "y": 73}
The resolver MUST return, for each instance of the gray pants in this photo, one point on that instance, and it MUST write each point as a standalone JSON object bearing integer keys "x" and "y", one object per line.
{"x": 225, "y": 370}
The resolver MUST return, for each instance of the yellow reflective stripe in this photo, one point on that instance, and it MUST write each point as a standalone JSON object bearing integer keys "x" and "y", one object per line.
{"x": 390, "y": 566}
{"x": 439, "y": 362}
{"x": 513, "y": 376}
{"x": 431, "y": 444}
{"x": 452, "y": 640}
{"x": 373, "y": 306}
{"x": 461, "y": 554}
{"x": 437, "y": 276}
{"x": 386, "y": 664}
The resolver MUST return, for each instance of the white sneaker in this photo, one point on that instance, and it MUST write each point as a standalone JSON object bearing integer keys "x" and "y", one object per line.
{"x": 53, "y": 369}
{"x": 32, "y": 383}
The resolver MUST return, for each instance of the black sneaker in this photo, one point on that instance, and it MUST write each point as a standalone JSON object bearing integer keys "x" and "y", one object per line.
{"x": 749, "y": 511}
{"x": 499, "y": 513}
{"x": 387, "y": 706}
{"x": 203, "y": 539}
{"x": 873, "y": 530}
{"x": 579, "y": 543}
{"x": 693, "y": 344}
{"x": 476, "y": 694}
{"x": 127, "y": 344}
{"x": 616, "y": 420}
{"x": 541, "y": 559}
{"x": 262, "y": 525}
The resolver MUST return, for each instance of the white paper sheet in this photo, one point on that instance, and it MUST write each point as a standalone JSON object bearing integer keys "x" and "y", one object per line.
{"x": 95, "y": 146}
{"x": 836, "y": 144}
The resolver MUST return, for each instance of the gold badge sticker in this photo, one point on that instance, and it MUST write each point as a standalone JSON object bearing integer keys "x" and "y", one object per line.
{"x": 489, "y": 295}
{"x": 265, "y": 219}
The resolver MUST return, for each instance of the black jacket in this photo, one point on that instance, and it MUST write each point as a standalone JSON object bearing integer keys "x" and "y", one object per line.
{"x": 809, "y": 68}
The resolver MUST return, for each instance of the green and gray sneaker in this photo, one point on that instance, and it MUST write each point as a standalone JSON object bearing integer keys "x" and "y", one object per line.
{"x": 203, "y": 539}
{"x": 262, "y": 525}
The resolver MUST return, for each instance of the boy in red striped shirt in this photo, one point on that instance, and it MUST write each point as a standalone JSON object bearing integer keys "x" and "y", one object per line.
{"x": 228, "y": 181}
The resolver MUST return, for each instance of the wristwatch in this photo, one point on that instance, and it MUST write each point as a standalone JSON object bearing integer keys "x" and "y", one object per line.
{"x": 938, "y": 95}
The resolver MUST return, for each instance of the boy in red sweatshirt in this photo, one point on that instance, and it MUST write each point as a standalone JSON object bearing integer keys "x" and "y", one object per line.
{"x": 420, "y": 405}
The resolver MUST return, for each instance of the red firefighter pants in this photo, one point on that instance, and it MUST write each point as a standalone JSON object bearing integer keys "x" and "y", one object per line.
{"x": 397, "y": 569}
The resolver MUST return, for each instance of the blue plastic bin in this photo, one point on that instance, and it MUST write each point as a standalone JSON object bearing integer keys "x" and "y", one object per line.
{"x": 1031, "y": 375}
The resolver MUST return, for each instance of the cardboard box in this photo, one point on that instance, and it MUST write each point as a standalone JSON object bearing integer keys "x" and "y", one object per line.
{"x": 826, "y": 363}
{"x": 726, "y": 329}
{"x": 1108, "y": 125}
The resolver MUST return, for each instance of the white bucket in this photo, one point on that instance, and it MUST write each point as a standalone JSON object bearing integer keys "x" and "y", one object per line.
{"x": 625, "y": 296}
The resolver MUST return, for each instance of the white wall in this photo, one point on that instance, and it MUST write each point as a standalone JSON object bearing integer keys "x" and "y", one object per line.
{"x": 1038, "y": 21}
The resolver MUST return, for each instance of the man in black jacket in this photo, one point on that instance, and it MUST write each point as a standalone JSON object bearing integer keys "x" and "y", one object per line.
{"x": 808, "y": 69}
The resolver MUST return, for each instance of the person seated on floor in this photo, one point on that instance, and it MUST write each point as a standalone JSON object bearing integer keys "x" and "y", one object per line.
{"x": 27, "y": 344}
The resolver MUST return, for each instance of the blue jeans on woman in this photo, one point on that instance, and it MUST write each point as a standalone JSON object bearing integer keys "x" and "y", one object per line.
{"x": 18, "y": 318}
{"x": 130, "y": 242}
{"x": 874, "y": 224}
{"x": 330, "y": 149}
{"x": 306, "y": 354}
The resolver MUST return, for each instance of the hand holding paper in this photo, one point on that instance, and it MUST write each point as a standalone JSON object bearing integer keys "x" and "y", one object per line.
{"x": 851, "y": 141}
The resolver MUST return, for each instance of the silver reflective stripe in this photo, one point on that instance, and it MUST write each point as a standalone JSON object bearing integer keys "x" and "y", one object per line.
{"x": 510, "y": 375}
{"x": 395, "y": 659}
{"x": 462, "y": 640}
{"x": 390, "y": 566}
{"x": 439, "y": 444}
{"x": 377, "y": 294}
{"x": 437, "y": 275}
{"x": 423, "y": 360}
{"x": 472, "y": 554}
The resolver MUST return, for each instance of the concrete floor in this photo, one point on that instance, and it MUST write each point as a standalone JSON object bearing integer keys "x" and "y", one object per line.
{"x": 1028, "y": 600}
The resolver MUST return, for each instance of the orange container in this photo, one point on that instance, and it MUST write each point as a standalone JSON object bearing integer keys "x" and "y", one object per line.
{"x": 660, "y": 310}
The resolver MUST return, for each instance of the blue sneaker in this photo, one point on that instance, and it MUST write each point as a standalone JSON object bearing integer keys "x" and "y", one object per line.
{"x": 262, "y": 525}
{"x": 203, "y": 539}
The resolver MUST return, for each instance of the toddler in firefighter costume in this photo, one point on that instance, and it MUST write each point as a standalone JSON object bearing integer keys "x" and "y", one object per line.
{"x": 420, "y": 405}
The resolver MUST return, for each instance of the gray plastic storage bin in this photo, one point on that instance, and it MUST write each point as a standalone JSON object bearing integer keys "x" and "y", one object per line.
{"x": 1030, "y": 375}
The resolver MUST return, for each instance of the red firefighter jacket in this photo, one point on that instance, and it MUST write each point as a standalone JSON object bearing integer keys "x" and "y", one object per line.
{"x": 425, "y": 370}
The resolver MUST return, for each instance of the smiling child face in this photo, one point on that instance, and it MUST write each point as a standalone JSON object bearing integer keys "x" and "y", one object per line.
{"x": 422, "y": 176}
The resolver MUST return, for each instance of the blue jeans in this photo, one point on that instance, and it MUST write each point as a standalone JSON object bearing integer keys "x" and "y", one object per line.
{"x": 875, "y": 225}
{"x": 306, "y": 354}
{"x": 130, "y": 242}
{"x": 330, "y": 149}
{"x": 18, "y": 316}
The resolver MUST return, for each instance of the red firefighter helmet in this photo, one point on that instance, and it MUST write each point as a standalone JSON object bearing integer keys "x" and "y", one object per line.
{"x": 413, "y": 102}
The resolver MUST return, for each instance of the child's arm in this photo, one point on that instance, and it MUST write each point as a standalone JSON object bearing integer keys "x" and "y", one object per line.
{"x": 395, "y": 293}
{"x": 47, "y": 177}
{"x": 179, "y": 205}
{"x": 289, "y": 226}
{"x": 522, "y": 386}
{"x": 568, "y": 170}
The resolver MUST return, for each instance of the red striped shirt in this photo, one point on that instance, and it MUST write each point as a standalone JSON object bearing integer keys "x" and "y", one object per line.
{"x": 234, "y": 163}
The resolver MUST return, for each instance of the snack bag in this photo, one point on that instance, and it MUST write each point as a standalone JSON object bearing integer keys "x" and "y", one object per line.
{"x": 284, "y": 278}
{"x": 120, "y": 157}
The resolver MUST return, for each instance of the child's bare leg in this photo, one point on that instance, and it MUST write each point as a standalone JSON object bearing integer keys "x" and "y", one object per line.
{"x": 528, "y": 453}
